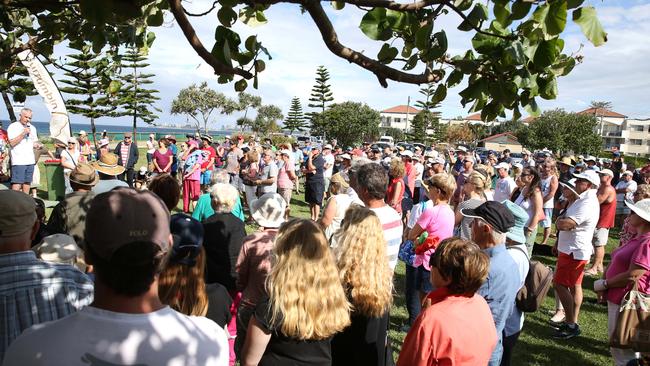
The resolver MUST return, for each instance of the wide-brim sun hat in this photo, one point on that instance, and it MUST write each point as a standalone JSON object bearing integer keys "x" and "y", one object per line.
{"x": 641, "y": 208}
{"x": 516, "y": 233}
{"x": 268, "y": 210}
{"x": 589, "y": 175}
{"x": 570, "y": 185}
{"x": 84, "y": 174}
{"x": 107, "y": 164}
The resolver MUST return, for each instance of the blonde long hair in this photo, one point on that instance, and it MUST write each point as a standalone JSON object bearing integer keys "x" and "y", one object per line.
{"x": 305, "y": 292}
{"x": 182, "y": 287}
{"x": 363, "y": 266}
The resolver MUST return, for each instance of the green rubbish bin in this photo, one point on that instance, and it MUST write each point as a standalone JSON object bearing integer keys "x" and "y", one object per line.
{"x": 55, "y": 180}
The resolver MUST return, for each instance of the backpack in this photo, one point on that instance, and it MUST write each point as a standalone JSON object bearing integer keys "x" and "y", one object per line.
{"x": 407, "y": 198}
{"x": 538, "y": 281}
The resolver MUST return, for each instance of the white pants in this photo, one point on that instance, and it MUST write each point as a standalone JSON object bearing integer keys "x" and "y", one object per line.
{"x": 621, "y": 356}
{"x": 251, "y": 194}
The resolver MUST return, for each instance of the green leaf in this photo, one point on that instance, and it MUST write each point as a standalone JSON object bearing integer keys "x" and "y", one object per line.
{"x": 98, "y": 41}
{"x": 387, "y": 54}
{"x": 338, "y": 5}
{"x": 156, "y": 19}
{"x": 440, "y": 94}
{"x": 478, "y": 14}
{"x": 114, "y": 87}
{"x": 503, "y": 91}
{"x": 438, "y": 47}
{"x": 514, "y": 54}
{"x": 226, "y": 16}
{"x": 455, "y": 77}
{"x": 532, "y": 108}
{"x": 502, "y": 13}
{"x": 407, "y": 50}
{"x": 548, "y": 88}
{"x": 520, "y": 9}
{"x": 423, "y": 37}
{"x": 546, "y": 53}
{"x": 151, "y": 36}
{"x": 229, "y": 3}
{"x": 563, "y": 66}
{"x": 259, "y": 66}
{"x": 251, "y": 43}
{"x": 485, "y": 44}
{"x": 410, "y": 64}
{"x": 586, "y": 18}
{"x": 463, "y": 4}
{"x": 574, "y": 3}
{"x": 373, "y": 25}
{"x": 241, "y": 85}
{"x": 396, "y": 19}
{"x": 556, "y": 18}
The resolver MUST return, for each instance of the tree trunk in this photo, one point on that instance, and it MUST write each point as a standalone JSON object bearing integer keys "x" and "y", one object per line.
{"x": 10, "y": 108}
{"x": 135, "y": 105}
{"x": 93, "y": 132}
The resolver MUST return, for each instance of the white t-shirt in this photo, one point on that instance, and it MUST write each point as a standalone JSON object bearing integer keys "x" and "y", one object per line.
{"x": 630, "y": 186}
{"x": 504, "y": 188}
{"x": 151, "y": 148}
{"x": 329, "y": 160}
{"x": 419, "y": 170}
{"x": 546, "y": 188}
{"x": 391, "y": 223}
{"x": 23, "y": 152}
{"x": 515, "y": 322}
{"x": 94, "y": 336}
{"x": 584, "y": 212}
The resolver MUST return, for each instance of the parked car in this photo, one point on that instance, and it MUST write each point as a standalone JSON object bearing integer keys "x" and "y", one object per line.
{"x": 516, "y": 158}
{"x": 302, "y": 140}
{"x": 387, "y": 139}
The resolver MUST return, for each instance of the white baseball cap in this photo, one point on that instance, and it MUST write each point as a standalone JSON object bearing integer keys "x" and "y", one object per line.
{"x": 461, "y": 148}
{"x": 589, "y": 175}
{"x": 408, "y": 153}
{"x": 606, "y": 172}
{"x": 345, "y": 156}
{"x": 502, "y": 165}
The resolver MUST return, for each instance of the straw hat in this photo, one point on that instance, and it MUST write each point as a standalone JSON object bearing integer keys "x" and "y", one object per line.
{"x": 268, "y": 210}
{"x": 84, "y": 174}
{"x": 107, "y": 164}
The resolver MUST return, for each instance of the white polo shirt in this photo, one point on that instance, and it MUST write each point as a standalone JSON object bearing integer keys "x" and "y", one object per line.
{"x": 584, "y": 212}
{"x": 23, "y": 152}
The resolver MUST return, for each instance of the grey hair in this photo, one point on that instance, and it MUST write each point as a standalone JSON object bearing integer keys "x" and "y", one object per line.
{"x": 25, "y": 109}
{"x": 224, "y": 196}
{"x": 219, "y": 176}
{"x": 358, "y": 163}
{"x": 497, "y": 236}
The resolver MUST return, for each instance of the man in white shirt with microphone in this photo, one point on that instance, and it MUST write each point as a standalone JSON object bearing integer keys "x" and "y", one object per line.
{"x": 23, "y": 140}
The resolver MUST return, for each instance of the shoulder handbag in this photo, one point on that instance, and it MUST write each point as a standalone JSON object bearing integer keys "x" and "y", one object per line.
{"x": 633, "y": 323}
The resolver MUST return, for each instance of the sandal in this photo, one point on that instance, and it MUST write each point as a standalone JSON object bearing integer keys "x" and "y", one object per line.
{"x": 591, "y": 272}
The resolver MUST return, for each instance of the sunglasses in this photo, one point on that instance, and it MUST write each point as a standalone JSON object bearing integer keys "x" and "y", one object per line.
{"x": 525, "y": 174}
{"x": 127, "y": 137}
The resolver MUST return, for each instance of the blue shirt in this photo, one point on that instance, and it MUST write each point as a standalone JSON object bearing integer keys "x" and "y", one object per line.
{"x": 204, "y": 209}
{"x": 499, "y": 291}
{"x": 34, "y": 292}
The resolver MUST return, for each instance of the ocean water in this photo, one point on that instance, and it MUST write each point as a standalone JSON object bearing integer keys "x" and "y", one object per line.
{"x": 44, "y": 127}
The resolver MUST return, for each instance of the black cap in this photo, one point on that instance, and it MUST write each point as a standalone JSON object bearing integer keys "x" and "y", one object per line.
{"x": 188, "y": 239}
{"x": 494, "y": 213}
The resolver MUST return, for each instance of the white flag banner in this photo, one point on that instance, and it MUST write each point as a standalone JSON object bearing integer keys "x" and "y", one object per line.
{"x": 46, "y": 87}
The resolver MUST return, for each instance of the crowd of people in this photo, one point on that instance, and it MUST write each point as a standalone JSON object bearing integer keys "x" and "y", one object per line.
{"x": 115, "y": 276}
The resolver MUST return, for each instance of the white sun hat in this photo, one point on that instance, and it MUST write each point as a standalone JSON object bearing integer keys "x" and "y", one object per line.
{"x": 641, "y": 208}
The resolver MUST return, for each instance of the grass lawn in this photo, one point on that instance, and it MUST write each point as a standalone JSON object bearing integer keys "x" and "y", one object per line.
{"x": 535, "y": 345}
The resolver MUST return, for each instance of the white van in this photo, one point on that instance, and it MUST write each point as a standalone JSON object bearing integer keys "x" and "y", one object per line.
{"x": 387, "y": 139}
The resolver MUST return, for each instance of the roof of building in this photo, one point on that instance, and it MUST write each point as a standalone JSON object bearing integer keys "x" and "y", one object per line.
{"x": 602, "y": 112}
{"x": 528, "y": 119}
{"x": 507, "y": 134}
{"x": 401, "y": 109}
{"x": 474, "y": 117}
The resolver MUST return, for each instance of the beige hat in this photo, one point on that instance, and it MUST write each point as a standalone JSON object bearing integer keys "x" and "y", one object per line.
{"x": 84, "y": 174}
{"x": 606, "y": 172}
{"x": 107, "y": 164}
{"x": 268, "y": 210}
{"x": 58, "y": 248}
{"x": 17, "y": 213}
{"x": 72, "y": 140}
{"x": 123, "y": 216}
{"x": 338, "y": 178}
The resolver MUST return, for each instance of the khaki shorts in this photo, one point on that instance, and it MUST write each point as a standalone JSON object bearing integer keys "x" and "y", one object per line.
{"x": 600, "y": 237}
{"x": 286, "y": 194}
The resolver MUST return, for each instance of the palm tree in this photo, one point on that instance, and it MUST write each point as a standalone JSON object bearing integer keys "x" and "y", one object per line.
{"x": 599, "y": 110}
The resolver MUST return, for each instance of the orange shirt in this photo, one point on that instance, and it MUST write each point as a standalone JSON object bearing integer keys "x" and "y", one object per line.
{"x": 456, "y": 330}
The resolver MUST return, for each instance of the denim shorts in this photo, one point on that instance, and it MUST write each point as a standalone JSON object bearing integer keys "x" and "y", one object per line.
{"x": 22, "y": 174}
{"x": 548, "y": 217}
{"x": 423, "y": 280}
{"x": 206, "y": 176}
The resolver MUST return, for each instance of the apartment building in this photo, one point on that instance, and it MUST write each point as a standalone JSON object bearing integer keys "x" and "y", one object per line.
{"x": 399, "y": 117}
{"x": 629, "y": 135}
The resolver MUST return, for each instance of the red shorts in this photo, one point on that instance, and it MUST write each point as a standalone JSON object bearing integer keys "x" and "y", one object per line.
{"x": 569, "y": 271}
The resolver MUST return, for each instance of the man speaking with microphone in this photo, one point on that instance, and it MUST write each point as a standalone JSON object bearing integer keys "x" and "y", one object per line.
{"x": 23, "y": 140}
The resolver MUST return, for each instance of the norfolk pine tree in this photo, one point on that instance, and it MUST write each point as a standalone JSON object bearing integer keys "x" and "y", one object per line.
{"x": 321, "y": 95}
{"x": 89, "y": 76}
{"x": 133, "y": 97}
{"x": 295, "y": 120}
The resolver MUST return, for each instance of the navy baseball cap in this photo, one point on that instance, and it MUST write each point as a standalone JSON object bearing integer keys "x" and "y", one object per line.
{"x": 494, "y": 213}
{"x": 188, "y": 239}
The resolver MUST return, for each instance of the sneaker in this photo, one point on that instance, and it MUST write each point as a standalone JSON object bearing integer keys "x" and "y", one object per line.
{"x": 556, "y": 325}
{"x": 567, "y": 332}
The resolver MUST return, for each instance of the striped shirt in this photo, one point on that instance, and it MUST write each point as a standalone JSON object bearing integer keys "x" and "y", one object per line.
{"x": 391, "y": 223}
{"x": 33, "y": 292}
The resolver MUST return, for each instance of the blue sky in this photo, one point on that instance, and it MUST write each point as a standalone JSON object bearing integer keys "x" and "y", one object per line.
{"x": 616, "y": 72}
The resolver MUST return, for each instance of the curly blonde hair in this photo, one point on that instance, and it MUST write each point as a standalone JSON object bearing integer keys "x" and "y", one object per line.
{"x": 397, "y": 168}
{"x": 361, "y": 258}
{"x": 305, "y": 292}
